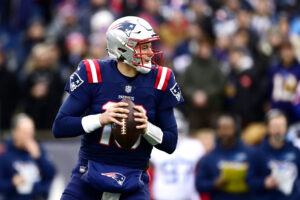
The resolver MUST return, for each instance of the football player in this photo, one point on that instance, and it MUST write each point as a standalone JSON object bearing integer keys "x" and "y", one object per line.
{"x": 105, "y": 170}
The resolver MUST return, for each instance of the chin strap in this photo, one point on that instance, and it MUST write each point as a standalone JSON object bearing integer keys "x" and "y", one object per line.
{"x": 143, "y": 70}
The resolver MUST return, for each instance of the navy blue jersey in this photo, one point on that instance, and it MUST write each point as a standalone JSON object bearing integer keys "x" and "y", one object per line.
{"x": 210, "y": 168}
{"x": 38, "y": 172}
{"x": 95, "y": 86}
{"x": 265, "y": 161}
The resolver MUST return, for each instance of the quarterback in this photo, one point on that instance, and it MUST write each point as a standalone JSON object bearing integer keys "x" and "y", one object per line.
{"x": 105, "y": 170}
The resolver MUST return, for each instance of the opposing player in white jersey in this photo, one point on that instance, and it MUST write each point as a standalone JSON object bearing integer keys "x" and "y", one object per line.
{"x": 174, "y": 175}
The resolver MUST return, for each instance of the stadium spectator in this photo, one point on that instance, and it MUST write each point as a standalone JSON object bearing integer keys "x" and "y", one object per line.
{"x": 201, "y": 13}
{"x": 243, "y": 85}
{"x": 64, "y": 23}
{"x": 76, "y": 50}
{"x": 187, "y": 48}
{"x": 34, "y": 34}
{"x": 25, "y": 171}
{"x": 283, "y": 80}
{"x": 43, "y": 86}
{"x": 203, "y": 87}
{"x": 261, "y": 19}
{"x": 275, "y": 165}
{"x": 224, "y": 21}
{"x": 173, "y": 32}
{"x": 222, "y": 173}
{"x": 173, "y": 172}
{"x": 89, "y": 11}
{"x": 269, "y": 49}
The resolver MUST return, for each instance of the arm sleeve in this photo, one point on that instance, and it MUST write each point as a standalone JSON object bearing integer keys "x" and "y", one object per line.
{"x": 5, "y": 182}
{"x": 256, "y": 173}
{"x": 68, "y": 120}
{"x": 171, "y": 96}
{"x": 47, "y": 171}
{"x": 165, "y": 115}
{"x": 204, "y": 182}
{"x": 167, "y": 124}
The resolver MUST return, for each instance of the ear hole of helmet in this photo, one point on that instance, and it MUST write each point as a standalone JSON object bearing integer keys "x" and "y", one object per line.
{"x": 122, "y": 50}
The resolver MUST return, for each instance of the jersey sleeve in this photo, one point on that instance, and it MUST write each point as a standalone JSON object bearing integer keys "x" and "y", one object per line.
{"x": 68, "y": 120}
{"x": 5, "y": 180}
{"x": 78, "y": 85}
{"x": 171, "y": 93}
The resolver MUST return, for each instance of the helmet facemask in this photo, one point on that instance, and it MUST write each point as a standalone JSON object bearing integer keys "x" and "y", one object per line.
{"x": 155, "y": 56}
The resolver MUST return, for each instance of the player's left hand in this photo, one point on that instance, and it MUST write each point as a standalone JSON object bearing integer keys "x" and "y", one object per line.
{"x": 141, "y": 117}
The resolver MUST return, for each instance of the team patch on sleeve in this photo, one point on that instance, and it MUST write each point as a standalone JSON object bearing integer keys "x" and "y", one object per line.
{"x": 175, "y": 90}
{"x": 75, "y": 81}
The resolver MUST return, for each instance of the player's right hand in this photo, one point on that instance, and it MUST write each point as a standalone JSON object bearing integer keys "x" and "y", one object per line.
{"x": 113, "y": 112}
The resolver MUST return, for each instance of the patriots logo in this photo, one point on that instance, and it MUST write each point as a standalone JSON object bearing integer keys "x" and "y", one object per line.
{"x": 126, "y": 27}
{"x": 120, "y": 178}
{"x": 75, "y": 81}
{"x": 176, "y": 91}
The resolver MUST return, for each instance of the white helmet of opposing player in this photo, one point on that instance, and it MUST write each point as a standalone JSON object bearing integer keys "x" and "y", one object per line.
{"x": 124, "y": 35}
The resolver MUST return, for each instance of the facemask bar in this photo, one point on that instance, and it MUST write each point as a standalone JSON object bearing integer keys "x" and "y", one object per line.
{"x": 137, "y": 58}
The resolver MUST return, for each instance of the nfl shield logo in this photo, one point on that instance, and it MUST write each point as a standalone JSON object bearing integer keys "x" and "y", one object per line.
{"x": 128, "y": 88}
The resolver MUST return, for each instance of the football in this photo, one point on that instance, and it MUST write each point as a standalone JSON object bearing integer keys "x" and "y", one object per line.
{"x": 127, "y": 134}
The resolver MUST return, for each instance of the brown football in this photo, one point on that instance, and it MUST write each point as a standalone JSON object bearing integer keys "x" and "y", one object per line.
{"x": 127, "y": 134}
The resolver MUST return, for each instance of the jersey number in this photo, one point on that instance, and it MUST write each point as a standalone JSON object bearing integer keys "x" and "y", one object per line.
{"x": 106, "y": 130}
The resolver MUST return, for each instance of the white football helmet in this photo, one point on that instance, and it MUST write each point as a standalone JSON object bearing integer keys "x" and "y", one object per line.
{"x": 124, "y": 34}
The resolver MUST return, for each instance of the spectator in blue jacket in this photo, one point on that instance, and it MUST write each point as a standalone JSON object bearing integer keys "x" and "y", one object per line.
{"x": 222, "y": 173}
{"x": 25, "y": 171}
{"x": 274, "y": 167}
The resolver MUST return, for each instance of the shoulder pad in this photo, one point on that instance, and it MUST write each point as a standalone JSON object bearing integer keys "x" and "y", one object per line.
{"x": 93, "y": 70}
{"x": 162, "y": 78}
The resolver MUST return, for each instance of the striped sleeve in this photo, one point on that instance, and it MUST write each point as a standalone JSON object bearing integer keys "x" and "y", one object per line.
{"x": 165, "y": 81}
{"x": 93, "y": 71}
{"x": 88, "y": 71}
{"x": 162, "y": 78}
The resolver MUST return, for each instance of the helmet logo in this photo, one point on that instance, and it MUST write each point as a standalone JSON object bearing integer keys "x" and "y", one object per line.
{"x": 126, "y": 27}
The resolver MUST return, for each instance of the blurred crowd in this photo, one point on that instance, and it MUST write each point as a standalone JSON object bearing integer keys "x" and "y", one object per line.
{"x": 229, "y": 56}
{"x": 238, "y": 56}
